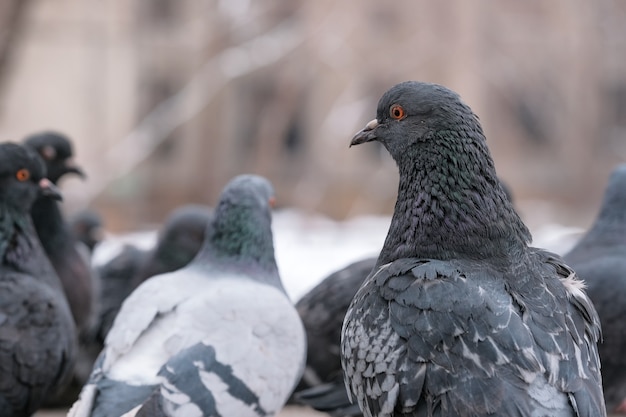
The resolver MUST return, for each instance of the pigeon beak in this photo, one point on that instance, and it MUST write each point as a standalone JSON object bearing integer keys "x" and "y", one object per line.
{"x": 48, "y": 189}
{"x": 71, "y": 167}
{"x": 366, "y": 134}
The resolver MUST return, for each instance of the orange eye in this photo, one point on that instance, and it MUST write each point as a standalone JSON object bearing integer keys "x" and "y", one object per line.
{"x": 22, "y": 175}
{"x": 397, "y": 112}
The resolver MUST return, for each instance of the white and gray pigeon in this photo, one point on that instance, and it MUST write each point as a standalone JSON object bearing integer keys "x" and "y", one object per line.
{"x": 460, "y": 317}
{"x": 599, "y": 258}
{"x": 218, "y": 337}
{"x": 37, "y": 334}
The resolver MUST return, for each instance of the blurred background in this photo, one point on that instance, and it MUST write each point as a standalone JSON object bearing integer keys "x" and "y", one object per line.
{"x": 166, "y": 100}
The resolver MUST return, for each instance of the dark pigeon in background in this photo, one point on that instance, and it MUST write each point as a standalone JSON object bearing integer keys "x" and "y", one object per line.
{"x": 68, "y": 256}
{"x": 116, "y": 277}
{"x": 37, "y": 334}
{"x": 217, "y": 337}
{"x": 599, "y": 258}
{"x": 56, "y": 237}
{"x": 460, "y": 317}
{"x": 88, "y": 227}
{"x": 179, "y": 241}
{"x": 322, "y": 310}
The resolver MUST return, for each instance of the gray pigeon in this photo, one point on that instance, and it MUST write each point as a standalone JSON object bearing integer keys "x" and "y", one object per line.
{"x": 179, "y": 241}
{"x": 599, "y": 258}
{"x": 37, "y": 334}
{"x": 218, "y": 337}
{"x": 322, "y": 310}
{"x": 460, "y": 317}
{"x": 55, "y": 234}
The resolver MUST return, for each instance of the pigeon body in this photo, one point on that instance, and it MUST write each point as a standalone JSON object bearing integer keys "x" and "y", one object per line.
{"x": 322, "y": 310}
{"x": 599, "y": 258}
{"x": 116, "y": 283}
{"x": 37, "y": 334}
{"x": 217, "y": 337}
{"x": 460, "y": 317}
{"x": 56, "y": 237}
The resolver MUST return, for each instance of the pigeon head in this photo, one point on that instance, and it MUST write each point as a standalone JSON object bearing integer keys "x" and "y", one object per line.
{"x": 88, "y": 227}
{"x": 614, "y": 202}
{"x": 413, "y": 114}
{"x": 183, "y": 234}
{"x": 23, "y": 177}
{"x": 56, "y": 151}
{"x": 239, "y": 232}
{"x": 609, "y": 226}
{"x": 450, "y": 201}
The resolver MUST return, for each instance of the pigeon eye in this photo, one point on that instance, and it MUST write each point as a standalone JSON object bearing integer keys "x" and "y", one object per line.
{"x": 397, "y": 112}
{"x": 22, "y": 175}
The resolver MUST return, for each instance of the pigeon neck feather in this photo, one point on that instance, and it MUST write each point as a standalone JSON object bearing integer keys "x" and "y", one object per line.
{"x": 241, "y": 240}
{"x": 450, "y": 204}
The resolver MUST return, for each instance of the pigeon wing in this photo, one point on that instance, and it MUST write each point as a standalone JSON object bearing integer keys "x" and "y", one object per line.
{"x": 449, "y": 338}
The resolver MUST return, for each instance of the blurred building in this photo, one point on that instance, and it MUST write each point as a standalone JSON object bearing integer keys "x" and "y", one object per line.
{"x": 168, "y": 99}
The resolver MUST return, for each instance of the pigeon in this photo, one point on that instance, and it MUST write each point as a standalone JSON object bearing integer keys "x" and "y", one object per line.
{"x": 116, "y": 277}
{"x": 599, "y": 258}
{"x": 87, "y": 227}
{"x": 179, "y": 241}
{"x": 219, "y": 337}
{"x": 37, "y": 334}
{"x": 56, "y": 237}
{"x": 460, "y": 316}
{"x": 322, "y": 310}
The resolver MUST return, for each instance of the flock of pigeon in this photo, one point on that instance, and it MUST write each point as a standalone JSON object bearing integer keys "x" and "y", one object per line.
{"x": 457, "y": 316}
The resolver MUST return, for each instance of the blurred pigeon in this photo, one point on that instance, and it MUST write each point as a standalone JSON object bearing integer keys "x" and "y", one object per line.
{"x": 37, "y": 334}
{"x": 87, "y": 227}
{"x": 599, "y": 258}
{"x": 54, "y": 233}
{"x": 460, "y": 317}
{"x": 116, "y": 277}
{"x": 179, "y": 241}
{"x": 218, "y": 337}
{"x": 322, "y": 310}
